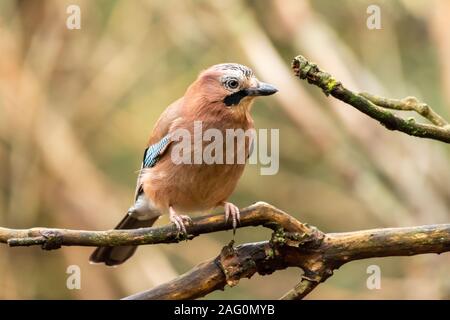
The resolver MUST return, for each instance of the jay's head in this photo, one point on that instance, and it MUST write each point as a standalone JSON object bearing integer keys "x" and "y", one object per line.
{"x": 232, "y": 84}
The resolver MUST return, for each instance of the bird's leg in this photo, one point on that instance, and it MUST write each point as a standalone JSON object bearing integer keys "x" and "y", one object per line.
{"x": 179, "y": 220}
{"x": 233, "y": 211}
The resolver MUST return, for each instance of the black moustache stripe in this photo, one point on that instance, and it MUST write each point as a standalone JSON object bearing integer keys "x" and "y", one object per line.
{"x": 234, "y": 98}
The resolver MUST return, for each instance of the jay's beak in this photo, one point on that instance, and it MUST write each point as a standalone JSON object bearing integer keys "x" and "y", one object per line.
{"x": 262, "y": 89}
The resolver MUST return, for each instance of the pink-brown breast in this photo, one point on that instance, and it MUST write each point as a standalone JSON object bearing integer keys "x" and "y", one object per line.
{"x": 198, "y": 187}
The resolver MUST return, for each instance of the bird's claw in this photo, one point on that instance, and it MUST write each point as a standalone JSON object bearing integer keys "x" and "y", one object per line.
{"x": 179, "y": 221}
{"x": 233, "y": 211}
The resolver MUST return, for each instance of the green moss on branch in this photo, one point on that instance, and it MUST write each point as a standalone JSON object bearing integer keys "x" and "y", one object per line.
{"x": 376, "y": 107}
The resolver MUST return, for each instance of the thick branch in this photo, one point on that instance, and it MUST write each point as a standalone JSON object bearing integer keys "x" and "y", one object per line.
{"x": 293, "y": 244}
{"x": 377, "y": 107}
{"x": 318, "y": 256}
{"x": 407, "y": 104}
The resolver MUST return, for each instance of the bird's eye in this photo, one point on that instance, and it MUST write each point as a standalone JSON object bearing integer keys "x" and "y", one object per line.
{"x": 232, "y": 84}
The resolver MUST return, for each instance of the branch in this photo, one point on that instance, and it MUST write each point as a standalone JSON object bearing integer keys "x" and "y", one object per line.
{"x": 259, "y": 214}
{"x": 407, "y": 104}
{"x": 317, "y": 254}
{"x": 377, "y": 107}
{"x": 293, "y": 244}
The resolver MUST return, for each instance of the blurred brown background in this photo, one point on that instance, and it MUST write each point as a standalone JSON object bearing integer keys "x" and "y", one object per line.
{"x": 76, "y": 107}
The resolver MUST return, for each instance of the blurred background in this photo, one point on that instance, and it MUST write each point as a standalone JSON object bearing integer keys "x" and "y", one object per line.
{"x": 77, "y": 106}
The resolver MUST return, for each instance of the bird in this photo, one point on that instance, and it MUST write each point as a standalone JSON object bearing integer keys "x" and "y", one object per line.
{"x": 220, "y": 98}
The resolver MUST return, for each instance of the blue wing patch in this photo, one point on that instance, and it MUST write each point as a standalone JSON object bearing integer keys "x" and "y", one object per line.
{"x": 152, "y": 153}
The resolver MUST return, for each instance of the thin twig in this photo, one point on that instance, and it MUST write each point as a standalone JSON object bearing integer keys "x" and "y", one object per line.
{"x": 407, "y": 104}
{"x": 305, "y": 69}
{"x": 317, "y": 257}
{"x": 293, "y": 244}
{"x": 302, "y": 289}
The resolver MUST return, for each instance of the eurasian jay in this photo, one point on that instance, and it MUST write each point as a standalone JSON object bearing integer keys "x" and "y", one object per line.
{"x": 221, "y": 98}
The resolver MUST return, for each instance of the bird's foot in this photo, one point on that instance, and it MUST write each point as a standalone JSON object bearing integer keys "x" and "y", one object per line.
{"x": 232, "y": 211}
{"x": 179, "y": 220}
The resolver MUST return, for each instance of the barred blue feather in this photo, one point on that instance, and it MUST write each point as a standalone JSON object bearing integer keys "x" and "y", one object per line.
{"x": 152, "y": 153}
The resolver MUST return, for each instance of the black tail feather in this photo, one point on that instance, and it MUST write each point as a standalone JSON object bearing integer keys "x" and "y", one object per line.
{"x": 112, "y": 256}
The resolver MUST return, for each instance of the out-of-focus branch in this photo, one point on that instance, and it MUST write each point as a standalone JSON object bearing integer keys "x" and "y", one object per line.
{"x": 377, "y": 107}
{"x": 293, "y": 244}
